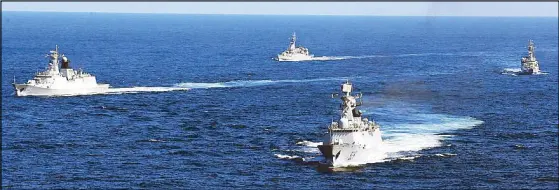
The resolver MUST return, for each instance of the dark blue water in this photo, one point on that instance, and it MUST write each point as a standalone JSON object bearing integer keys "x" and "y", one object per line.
{"x": 433, "y": 83}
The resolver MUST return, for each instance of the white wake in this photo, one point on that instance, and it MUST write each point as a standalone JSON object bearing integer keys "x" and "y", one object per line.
{"x": 143, "y": 89}
{"x": 511, "y": 71}
{"x": 405, "y": 131}
{"x": 405, "y": 138}
{"x": 333, "y": 58}
{"x": 249, "y": 83}
{"x": 130, "y": 90}
{"x": 330, "y": 58}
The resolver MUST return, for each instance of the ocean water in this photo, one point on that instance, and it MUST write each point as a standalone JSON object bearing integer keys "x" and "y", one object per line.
{"x": 452, "y": 115}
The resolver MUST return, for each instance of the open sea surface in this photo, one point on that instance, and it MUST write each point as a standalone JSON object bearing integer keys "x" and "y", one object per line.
{"x": 450, "y": 109}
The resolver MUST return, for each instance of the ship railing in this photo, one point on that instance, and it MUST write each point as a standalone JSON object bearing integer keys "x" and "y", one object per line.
{"x": 345, "y": 130}
{"x": 349, "y": 129}
{"x": 42, "y": 74}
{"x": 355, "y": 127}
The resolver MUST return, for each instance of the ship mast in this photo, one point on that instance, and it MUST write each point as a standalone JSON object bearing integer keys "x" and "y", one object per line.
{"x": 292, "y": 43}
{"x": 347, "y": 105}
{"x": 347, "y": 87}
{"x": 53, "y": 60}
{"x": 531, "y": 47}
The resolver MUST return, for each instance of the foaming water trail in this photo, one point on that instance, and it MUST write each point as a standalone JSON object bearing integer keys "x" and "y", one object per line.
{"x": 249, "y": 83}
{"x": 144, "y": 89}
{"x": 458, "y": 54}
{"x": 129, "y": 90}
{"x": 404, "y": 136}
{"x": 407, "y": 130}
{"x": 309, "y": 143}
{"x": 511, "y": 71}
{"x": 429, "y": 54}
{"x": 329, "y": 58}
{"x": 282, "y": 156}
{"x": 332, "y": 58}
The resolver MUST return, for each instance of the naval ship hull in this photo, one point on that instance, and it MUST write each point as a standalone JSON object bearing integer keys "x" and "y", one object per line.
{"x": 529, "y": 71}
{"x": 30, "y": 90}
{"x": 294, "y": 57}
{"x": 353, "y": 154}
{"x": 349, "y": 155}
{"x": 529, "y": 68}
